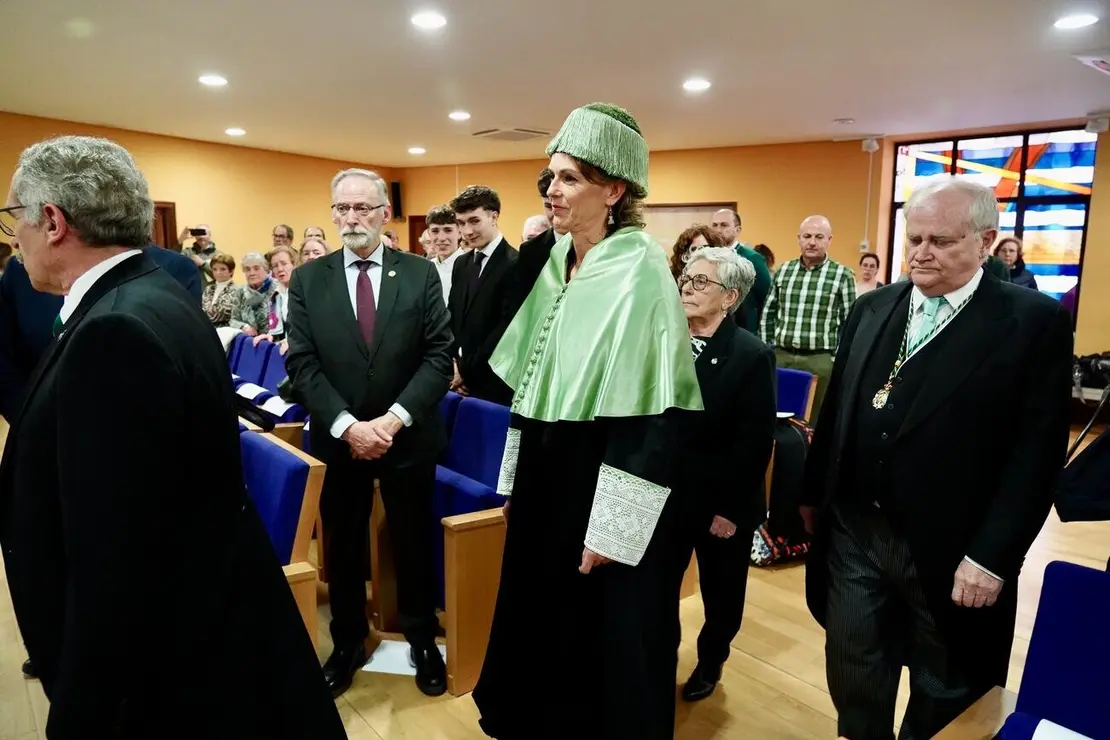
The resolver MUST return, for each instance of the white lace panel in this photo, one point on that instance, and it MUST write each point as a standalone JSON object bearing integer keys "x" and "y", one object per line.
{"x": 507, "y": 475}
{"x": 625, "y": 511}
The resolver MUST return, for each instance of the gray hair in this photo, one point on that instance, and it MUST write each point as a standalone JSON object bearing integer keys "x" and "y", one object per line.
{"x": 982, "y": 207}
{"x": 94, "y": 181}
{"x": 251, "y": 257}
{"x": 735, "y": 272}
{"x": 358, "y": 172}
{"x": 536, "y": 220}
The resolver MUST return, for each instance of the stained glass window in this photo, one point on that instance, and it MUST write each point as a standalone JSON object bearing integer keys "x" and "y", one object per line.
{"x": 1043, "y": 182}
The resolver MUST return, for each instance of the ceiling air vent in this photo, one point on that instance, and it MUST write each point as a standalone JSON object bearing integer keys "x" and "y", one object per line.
{"x": 510, "y": 134}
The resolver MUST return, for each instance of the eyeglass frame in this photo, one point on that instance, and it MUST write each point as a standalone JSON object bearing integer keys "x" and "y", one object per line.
{"x": 338, "y": 208}
{"x": 8, "y": 230}
{"x": 685, "y": 278}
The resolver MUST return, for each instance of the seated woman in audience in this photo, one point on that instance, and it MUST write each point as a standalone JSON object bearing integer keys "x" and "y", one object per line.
{"x": 251, "y": 312}
{"x": 1009, "y": 250}
{"x": 768, "y": 255}
{"x": 726, "y": 452}
{"x": 281, "y": 261}
{"x": 315, "y": 232}
{"x": 868, "y": 274}
{"x": 313, "y": 248}
{"x": 583, "y": 636}
{"x": 695, "y": 237}
{"x": 221, "y": 297}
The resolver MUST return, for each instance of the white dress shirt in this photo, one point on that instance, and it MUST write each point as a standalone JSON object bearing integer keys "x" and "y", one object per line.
{"x": 954, "y": 301}
{"x": 345, "y": 419}
{"x": 82, "y": 285}
{"x": 488, "y": 251}
{"x": 446, "y": 269}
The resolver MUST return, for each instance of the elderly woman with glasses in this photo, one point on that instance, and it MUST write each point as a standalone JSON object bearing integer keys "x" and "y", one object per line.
{"x": 726, "y": 451}
{"x": 600, "y": 367}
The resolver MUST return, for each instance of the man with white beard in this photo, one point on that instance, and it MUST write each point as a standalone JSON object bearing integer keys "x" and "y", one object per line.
{"x": 369, "y": 356}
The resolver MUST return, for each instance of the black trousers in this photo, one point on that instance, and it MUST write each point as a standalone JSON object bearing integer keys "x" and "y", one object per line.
{"x": 878, "y": 621}
{"x": 345, "y": 507}
{"x": 723, "y": 578}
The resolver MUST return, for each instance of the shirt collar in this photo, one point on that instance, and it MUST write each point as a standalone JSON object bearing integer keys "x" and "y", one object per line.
{"x": 349, "y": 257}
{"x": 955, "y": 298}
{"x": 83, "y": 284}
{"x": 490, "y": 248}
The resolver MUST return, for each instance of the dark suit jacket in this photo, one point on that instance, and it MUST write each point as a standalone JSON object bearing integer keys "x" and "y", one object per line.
{"x": 477, "y": 323}
{"x": 120, "y": 559}
{"x": 332, "y": 369}
{"x": 999, "y": 393}
{"x": 26, "y": 318}
{"x": 727, "y": 447}
{"x": 534, "y": 254}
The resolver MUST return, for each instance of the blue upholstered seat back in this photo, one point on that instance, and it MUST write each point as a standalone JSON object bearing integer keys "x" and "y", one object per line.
{"x": 253, "y": 361}
{"x": 478, "y": 440}
{"x": 793, "y": 391}
{"x": 275, "y": 480}
{"x": 1067, "y": 670}
{"x": 235, "y": 351}
{"x": 275, "y": 368}
{"x": 449, "y": 407}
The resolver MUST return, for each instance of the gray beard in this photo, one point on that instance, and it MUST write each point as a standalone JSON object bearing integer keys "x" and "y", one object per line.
{"x": 355, "y": 242}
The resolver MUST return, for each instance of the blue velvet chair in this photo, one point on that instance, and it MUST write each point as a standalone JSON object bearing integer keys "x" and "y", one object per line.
{"x": 252, "y": 361}
{"x": 235, "y": 351}
{"x": 796, "y": 389}
{"x": 466, "y": 479}
{"x": 275, "y": 368}
{"x": 449, "y": 407}
{"x": 1067, "y": 669}
{"x": 284, "y": 484}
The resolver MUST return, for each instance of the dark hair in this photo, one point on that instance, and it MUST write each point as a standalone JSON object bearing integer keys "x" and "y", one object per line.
{"x": 766, "y": 252}
{"x": 223, "y": 259}
{"x": 288, "y": 230}
{"x": 628, "y": 210}
{"x": 440, "y": 216}
{"x": 546, "y": 176}
{"x": 475, "y": 197}
{"x": 683, "y": 242}
{"x": 735, "y": 216}
{"x": 869, "y": 255}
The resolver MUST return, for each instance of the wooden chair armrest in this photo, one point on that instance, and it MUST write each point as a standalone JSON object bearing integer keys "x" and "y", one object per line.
{"x": 250, "y": 427}
{"x": 474, "y": 520}
{"x": 301, "y": 578}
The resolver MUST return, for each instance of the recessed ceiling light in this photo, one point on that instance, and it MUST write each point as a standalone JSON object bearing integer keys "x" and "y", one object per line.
{"x": 844, "y": 121}
{"x": 696, "y": 84}
{"x": 459, "y": 115}
{"x": 235, "y": 131}
{"x": 212, "y": 80}
{"x": 1078, "y": 20}
{"x": 429, "y": 20}
{"x": 417, "y": 150}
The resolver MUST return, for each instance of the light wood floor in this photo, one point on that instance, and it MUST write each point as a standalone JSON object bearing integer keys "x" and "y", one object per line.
{"x": 773, "y": 684}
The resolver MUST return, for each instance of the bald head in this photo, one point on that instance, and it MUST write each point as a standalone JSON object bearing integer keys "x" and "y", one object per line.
{"x": 534, "y": 226}
{"x": 726, "y": 225}
{"x": 814, "y": 237}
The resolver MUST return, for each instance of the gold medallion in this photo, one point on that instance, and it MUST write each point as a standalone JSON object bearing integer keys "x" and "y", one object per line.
{"x": 879, "y": 401}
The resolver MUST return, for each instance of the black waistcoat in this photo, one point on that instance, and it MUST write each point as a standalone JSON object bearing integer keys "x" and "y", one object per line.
{"x": 871, "y": 439}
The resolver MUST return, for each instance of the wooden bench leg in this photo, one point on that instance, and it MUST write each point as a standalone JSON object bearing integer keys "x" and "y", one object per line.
{"x": 383, "y": 611}
{"x": 302, "y": 581}
{"x": 473, "y": 547}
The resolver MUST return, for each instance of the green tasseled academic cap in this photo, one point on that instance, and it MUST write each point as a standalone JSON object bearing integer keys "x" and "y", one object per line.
{"x": 609, "y": 138}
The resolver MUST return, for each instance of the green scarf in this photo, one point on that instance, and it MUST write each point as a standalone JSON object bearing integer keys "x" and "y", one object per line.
{"x": 613, "y": 342}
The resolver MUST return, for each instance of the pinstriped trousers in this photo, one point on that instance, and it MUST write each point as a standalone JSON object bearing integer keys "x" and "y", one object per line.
{"x": 878, "y": 621}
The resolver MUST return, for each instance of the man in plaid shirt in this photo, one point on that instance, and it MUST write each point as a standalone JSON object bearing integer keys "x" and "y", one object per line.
{"x": 809, "y": 301}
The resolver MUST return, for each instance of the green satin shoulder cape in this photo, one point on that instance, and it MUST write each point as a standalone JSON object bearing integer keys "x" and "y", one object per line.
{"x": 613, "y": 342}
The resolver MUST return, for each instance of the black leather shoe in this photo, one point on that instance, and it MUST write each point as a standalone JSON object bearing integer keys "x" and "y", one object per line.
{"x": 702, "y": 683}
{"x": 29, "y": 669}
{"x": 431, "y": 673}
{"x": 341, "y": 666}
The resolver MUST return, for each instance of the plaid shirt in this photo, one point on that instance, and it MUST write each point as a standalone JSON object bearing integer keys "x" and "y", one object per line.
{"x": 807, "y": 306}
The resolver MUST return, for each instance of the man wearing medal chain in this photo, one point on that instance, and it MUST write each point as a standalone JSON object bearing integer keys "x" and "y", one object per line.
{"x": 918, "y": 541}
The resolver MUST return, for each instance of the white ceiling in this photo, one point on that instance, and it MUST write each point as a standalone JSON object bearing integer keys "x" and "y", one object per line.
{"x": 354, "y": 80}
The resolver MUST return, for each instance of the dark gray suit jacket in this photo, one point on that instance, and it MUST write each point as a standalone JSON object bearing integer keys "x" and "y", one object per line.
{"x": 409, "y": 363}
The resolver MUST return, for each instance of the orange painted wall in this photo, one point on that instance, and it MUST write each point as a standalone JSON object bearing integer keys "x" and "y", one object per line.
{"x": 240, "y": 193}
{"x": 775, "y": 187}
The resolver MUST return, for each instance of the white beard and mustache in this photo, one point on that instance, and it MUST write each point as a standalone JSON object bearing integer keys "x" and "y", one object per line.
{"x": 359, "y": 237}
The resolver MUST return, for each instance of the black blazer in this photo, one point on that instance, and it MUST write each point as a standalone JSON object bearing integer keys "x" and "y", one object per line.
{"x": 973, "y": 464}
{"x": 121, "y": 555}
{"x": 477, "y": 323}
{"x": 332, "y": 370}
{"x": 727, "y": 447}
{"x": 534, "y": 254}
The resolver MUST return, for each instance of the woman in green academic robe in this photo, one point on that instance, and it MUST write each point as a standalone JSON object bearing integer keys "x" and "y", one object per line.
{"x": 585, "y": 628}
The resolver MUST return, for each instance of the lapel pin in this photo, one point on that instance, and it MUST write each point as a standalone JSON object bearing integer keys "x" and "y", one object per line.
{"x": 393, "y": 273}
{"x": 713, "y": 361}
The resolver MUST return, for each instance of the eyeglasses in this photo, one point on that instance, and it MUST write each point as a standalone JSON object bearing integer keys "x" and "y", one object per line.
{"x": 700, "y": 282}
{"x": 7, "y": 219}
{"x": 361, "y": 209}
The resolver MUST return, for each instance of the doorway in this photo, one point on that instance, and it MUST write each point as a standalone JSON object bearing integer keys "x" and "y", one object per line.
{"x": 417, "y": 226}
{"x": 164, "y": 233}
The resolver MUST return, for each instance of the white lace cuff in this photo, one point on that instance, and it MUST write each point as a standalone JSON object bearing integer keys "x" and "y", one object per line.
{"x": 625, "y": 511}
{"x": 507, "y": 475}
